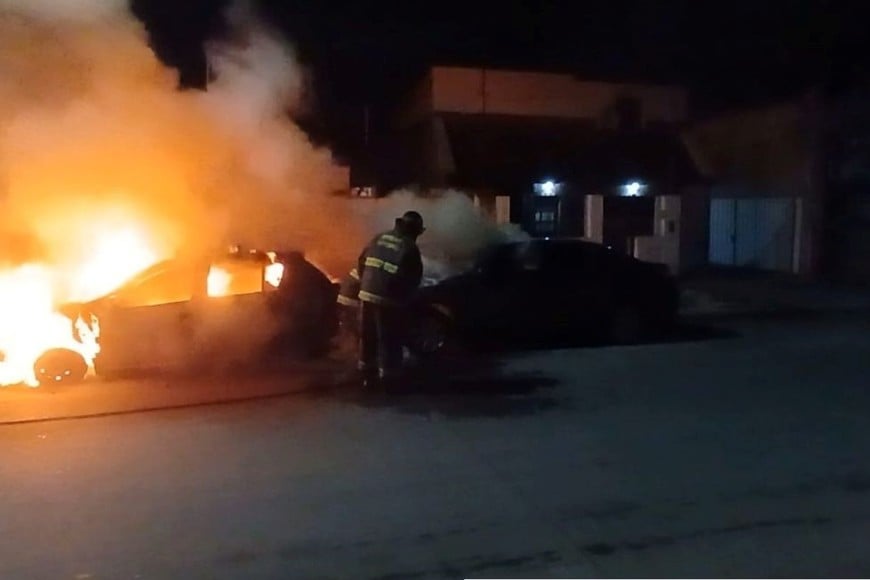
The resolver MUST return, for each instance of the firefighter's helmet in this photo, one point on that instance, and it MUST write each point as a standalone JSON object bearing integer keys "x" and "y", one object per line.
{"x": 412, "y": 222}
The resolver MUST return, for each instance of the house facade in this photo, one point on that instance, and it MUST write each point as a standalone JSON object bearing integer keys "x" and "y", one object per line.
{"x": 790, "y": 186}
{"x": 559, "y": 155}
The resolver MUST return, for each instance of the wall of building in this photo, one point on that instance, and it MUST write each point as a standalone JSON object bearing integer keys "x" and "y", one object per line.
{"x": 594, "y": 218}
{"x": 847, "y": 253}
{"x": 694, "y": 227}
{"x": 663, "y": 246}
{"x": 477, "y": 91}
{"x": 766, "y": 147}
{"x": 496, "y": 207}
{"x": 767, "y": 153}
{"x": 418, "y": 106}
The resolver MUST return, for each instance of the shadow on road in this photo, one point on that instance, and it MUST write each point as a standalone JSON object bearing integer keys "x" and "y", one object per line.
{"x": 472, "y": 380}
{"x": 460, "y": 387}
{"x": 686, "y": 332}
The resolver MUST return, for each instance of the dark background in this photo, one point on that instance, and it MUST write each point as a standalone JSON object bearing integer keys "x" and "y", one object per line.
{"x": 729, "y": 53}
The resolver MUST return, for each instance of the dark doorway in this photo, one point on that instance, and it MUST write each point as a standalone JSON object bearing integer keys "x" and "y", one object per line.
{"x": 626, "y": 218}
{"x": 544, "y": 216}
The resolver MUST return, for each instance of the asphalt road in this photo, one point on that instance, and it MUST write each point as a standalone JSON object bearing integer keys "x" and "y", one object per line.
{"x": 743, "y": 455}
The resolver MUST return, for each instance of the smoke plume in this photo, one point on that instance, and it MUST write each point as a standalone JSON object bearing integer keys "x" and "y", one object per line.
{"x": 456, "y": 230}
{"x": 93, "y": 128}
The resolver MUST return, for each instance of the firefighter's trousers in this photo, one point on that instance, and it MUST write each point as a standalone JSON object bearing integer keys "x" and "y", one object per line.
{"x": 380, "y": 339}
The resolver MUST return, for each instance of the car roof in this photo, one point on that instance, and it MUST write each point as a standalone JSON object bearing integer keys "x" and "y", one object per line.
{"x": 562, "y": 242}
{"x": 582, "y": 246}
{"x": 192, "y": 262}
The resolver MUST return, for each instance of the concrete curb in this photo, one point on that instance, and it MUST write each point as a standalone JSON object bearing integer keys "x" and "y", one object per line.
{"x": 96, "y": 398}
{"x": 778, "y": 313}
{"x": 745, "y": 300}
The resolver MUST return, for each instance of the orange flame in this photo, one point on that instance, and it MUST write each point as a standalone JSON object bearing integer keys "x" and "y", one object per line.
{"x": 29, "y": 294}
{"x": 116, "y": 255}
{"x": 274, "y": 273}
{"x": 218, "y": 281}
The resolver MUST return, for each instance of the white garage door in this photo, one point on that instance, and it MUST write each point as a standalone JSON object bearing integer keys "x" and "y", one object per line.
{"x": 753, "y": 232}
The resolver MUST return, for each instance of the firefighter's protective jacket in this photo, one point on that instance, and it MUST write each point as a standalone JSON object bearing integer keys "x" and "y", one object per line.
{"x": 390, "y": 269}
{"x": 348, "y": 291}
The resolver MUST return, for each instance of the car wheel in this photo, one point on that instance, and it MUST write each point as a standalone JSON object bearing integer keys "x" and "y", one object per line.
{"x": 626, "y": 326}
{"x": 60, "y": 366}
{"x": 431, "y": 334}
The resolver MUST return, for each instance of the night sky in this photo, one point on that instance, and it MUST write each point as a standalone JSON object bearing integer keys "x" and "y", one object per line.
{"x": 731, "y": 53}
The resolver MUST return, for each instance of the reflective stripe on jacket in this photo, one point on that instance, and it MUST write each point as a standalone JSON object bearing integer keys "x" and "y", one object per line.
{"x": 348, "y": 291}
{"x": 391, "y": 269}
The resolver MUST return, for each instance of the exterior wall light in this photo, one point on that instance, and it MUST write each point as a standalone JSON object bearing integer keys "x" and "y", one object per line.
{"x": 547, "y": 188}
{"x": 633, "y": 189}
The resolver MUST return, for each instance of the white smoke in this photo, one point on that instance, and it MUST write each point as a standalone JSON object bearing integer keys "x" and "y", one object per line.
{"x": 90, "y": 118}
{"x": 456, "y": 230}
{"x": 91, "y": 122}
{"x": 257, "y": 71}
{"x": 67, "y": 10}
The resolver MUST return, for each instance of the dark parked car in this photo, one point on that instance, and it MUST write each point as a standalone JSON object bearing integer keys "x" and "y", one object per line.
{"x": 541, "y": 288}
{"x": 181, "y": 313}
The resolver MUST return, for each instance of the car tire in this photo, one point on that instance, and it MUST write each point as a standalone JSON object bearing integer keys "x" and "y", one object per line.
{"x": 60, "y": 366}
{"x": 626, "y": 326}
{"x": 432, "y": 334}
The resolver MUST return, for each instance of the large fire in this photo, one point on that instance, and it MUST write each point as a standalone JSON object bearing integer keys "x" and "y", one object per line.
{"x": 108, "y": 167}
{"x": 117, "y": 254}
{"x": 30, "y": 294}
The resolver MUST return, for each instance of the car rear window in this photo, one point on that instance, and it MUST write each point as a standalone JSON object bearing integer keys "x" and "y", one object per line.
{"x": 577, "y": 259}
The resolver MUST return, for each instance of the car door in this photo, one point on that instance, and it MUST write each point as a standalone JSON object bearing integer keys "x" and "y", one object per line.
{"x": 513, "y": 290}
{"x": 145, "y": 325}
{"x": 577, "y": 277}
{"x": 231, "y": 318}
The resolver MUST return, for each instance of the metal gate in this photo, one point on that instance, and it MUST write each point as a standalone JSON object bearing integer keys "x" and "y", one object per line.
{"x": 753, "y": 232}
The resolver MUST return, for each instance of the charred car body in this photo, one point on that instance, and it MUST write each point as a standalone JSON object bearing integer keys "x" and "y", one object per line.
{"x": 544, "y": 288}
{"x": 187, "y": 314}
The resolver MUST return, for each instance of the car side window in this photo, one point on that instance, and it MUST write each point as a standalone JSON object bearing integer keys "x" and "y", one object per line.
{"x": 163, "y": 287}
{"x": 575, "y": 261}
{"x": 235, "y": 278}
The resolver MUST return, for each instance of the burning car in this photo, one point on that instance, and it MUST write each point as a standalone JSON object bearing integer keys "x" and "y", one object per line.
{"x": 544, "y": 287}
{"x": 192, "y": 313}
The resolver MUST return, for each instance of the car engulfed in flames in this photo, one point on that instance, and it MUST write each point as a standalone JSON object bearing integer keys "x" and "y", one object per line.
{"x": 182, "y": 313}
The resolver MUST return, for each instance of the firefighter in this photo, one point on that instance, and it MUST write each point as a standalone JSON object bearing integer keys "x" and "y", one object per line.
{"x": 390, "y": 270}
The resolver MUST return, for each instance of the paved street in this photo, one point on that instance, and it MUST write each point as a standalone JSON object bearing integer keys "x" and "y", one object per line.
{"x": 744, "y": 454}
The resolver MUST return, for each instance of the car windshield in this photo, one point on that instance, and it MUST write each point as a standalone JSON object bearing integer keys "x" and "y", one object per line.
{"x": 139, "y": 278}
{"x": 166, "y": 283}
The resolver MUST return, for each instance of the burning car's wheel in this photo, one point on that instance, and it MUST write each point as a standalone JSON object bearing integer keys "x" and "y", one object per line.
{"x": 60, "y": 366}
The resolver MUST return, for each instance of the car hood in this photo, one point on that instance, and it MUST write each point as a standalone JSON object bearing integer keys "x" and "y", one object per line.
{"x": 446, "y": 288}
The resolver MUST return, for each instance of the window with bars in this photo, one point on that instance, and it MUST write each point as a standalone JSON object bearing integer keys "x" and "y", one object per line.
{"x": 545, "y": 222}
